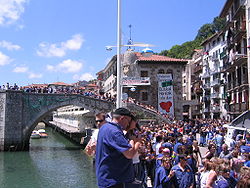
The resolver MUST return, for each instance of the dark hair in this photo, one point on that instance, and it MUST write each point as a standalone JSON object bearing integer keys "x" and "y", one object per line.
{"x": 159, "y": 138}
{"x": 101, "y": 115}
{"x": 182, "y": 157}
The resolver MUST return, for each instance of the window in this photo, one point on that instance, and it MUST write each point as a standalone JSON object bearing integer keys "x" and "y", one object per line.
{"x": 170, "y": 71}
{"x": 144, "y": 73}
{"x": 144, "y": 96}
{"x": 161, "y": 71}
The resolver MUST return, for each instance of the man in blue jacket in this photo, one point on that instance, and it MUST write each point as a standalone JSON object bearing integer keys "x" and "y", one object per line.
{"x": 183, "y": 174}
{"x": 114, "y": 152}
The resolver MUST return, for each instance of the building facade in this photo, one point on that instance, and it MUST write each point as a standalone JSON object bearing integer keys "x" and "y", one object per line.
{"x": 235, "y": 57}
{"x": 192, "y": 87}
{"x": 213, "y": 77}
{"x": 141, "y": 75}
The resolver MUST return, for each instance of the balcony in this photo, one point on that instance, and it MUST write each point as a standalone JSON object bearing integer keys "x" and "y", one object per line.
{"x": 215, "y": 59}
{"x": 238, "y": 108}
{"x": 215, "y": 95}
{"x": 206, "y": 98}
{"x": 223, "y": 55}
{"x": 215, "y": 82}
{"x": 196, "y": 112}
{"x": 244, "y": 107}
{"x": 206, "y": 110}
{"x": 198, "y": 69}
{"x": 215, "y": 109}
{"x": 206, "y": 75}
{"x": 239, "y": 59}
{"x": 215, "y": 70}
{"x": 206, "y": 86}
{"x": 234, "y": 108}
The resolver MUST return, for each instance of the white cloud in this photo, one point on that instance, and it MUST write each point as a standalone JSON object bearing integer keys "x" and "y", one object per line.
{"x": 50, "y": 50}
{"x": 85, "y": 76}
{"x": 9, "y": 45}
{"x": 4, "y": 59}
{"x": 34, "y": 75}
{"x": 11, "y": 10}
{"x": 60, "y": 50}
{"x": 67, "y": 66}
{"x": 20, "y": 69}
{"x": 75, "y": 43}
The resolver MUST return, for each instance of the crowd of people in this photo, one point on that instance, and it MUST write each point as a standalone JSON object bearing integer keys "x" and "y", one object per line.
{"x": 60, "y": 90}
{"x": 169, "y": 154}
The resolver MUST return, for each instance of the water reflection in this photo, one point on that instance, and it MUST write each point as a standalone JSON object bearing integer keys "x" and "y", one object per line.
{"x": 53, "y": 162}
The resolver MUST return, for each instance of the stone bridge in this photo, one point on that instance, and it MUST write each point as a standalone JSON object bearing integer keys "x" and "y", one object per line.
{"x": 20, "y": 112}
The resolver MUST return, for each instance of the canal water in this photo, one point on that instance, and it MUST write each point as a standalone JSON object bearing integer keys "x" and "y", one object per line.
{"x": 52, "y": 162}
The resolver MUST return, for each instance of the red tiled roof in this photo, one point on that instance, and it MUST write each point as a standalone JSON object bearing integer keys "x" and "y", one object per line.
{"x": 36, "y": 85}
{"x": 158, "y": 58}
{"x": 197, "y": 50}
{"x": 91, "y": 85}
{"x": 60, "y": 83}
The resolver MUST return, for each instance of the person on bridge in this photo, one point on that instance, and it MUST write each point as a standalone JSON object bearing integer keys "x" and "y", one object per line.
{"x": 114, "y": 153}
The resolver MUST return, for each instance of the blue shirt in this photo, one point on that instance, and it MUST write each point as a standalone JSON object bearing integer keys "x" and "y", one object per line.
{"x": 218, "y": 140}
{"x": 112, "y": 167}
{"x": 245, "y": 149}
{"x": 161, "y": 178}
{"x": 178, "y": 144}
{"x": 183, "y": 178}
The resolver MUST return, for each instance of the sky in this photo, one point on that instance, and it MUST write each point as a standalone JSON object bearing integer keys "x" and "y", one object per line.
{"x": 46, "y": 41}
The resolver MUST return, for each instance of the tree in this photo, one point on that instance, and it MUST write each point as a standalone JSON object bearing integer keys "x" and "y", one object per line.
{"x": 219, "y": 24}
{"x": 205, "y": 31}
{"x": 185, "y": 50}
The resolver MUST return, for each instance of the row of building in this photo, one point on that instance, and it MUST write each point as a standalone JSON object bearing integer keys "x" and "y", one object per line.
{"x": 216, "y": 80}
{"x": 213, "y": 84}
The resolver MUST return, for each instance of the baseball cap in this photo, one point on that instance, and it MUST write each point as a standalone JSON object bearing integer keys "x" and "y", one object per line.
{"x": 122, "y": 112}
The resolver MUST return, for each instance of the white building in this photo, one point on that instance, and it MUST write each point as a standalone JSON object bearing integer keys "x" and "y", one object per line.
{"x": 213, "y": 77}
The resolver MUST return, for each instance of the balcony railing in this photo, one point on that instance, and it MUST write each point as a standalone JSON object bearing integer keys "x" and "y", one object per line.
{"x": 206, "y": 110}
{"x": 215, "y": 70}
{"x": 206, "y": 75}
{"x": 206, "y": 98}
{"x": 238, "y": 58}
{"x": 214, "y": 59}
{"x": 215, "y": 82}
{"x": 206, "y": 86}
{"x": 223, "y": 54}
{"x": 198, "y": 68}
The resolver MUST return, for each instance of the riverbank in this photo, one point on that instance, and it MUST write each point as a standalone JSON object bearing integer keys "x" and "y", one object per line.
{"x": 71, "y": 133}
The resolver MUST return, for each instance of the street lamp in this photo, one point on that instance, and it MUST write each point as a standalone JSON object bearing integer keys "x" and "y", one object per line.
{"x": 118, "y": 66}
{"x": 146, "y": 53}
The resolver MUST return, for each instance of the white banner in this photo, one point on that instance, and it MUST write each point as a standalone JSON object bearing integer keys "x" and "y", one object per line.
{"x": 135, "y": 81}
{"x": 165, "y": 94}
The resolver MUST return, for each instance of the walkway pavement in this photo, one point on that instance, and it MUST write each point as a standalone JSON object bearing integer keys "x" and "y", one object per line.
{"x": 65, "y": 127}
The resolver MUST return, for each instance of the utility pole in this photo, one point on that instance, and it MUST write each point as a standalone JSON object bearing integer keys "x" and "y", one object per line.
{"x": 118, "y": 76}
{"x": 248, "y": 47}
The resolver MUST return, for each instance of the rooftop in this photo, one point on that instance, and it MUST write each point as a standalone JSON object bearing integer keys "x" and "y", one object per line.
{"x": 158, "y": 58}
{"x": 60, "y": 84}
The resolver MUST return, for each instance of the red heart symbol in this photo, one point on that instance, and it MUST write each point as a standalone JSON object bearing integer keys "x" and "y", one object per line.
{"x": 166, "y": 106}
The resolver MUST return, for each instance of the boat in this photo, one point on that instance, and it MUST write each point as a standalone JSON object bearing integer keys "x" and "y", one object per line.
{"x": 42, "y": 133}
{"x": 41, "y": 130}
{"x": 35, "y": 135}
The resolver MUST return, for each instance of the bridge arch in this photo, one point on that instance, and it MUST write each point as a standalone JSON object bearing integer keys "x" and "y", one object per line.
{"x": 24, "y": 110}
